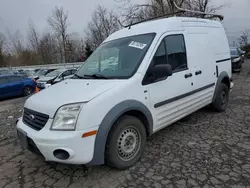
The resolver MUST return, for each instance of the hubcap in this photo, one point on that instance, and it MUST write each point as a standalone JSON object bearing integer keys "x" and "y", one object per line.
{"x": 27, "y": 91}
{"x": 223, "y": 98}
{"x": 128, "y": 143}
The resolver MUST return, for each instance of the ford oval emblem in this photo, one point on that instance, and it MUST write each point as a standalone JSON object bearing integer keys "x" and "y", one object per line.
{"x": 32, "y": 117}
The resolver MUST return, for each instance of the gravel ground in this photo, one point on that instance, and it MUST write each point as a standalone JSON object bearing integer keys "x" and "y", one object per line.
{"x": 206, "y": 149}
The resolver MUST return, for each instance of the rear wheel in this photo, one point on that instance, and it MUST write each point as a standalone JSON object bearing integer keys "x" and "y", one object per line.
{"x": 221, "y": 101}
{"x": 27, "y": 90}
{"x": 126, "y": 143}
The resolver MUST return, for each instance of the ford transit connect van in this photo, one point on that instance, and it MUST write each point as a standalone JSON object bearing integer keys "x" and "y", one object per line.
{"x": 140, "y": 80}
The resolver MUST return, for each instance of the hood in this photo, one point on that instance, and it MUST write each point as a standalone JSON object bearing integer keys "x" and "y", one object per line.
{"x": 45, "y": 79}
{"x": 69, "y": 91}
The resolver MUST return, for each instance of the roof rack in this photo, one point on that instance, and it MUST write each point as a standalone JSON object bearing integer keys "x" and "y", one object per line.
{"x": 155, "y": 18}
{"x": 199, "y": 12}
{"x": 180, "y": 10}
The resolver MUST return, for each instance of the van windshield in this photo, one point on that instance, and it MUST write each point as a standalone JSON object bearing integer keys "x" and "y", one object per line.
{"x": 119, "y": 58}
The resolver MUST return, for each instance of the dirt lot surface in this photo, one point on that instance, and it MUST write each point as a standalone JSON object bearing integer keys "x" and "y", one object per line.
{"x": 206, "y": 150}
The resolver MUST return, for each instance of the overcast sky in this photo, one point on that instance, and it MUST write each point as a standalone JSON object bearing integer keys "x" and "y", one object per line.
{"x": 14, "y": 14}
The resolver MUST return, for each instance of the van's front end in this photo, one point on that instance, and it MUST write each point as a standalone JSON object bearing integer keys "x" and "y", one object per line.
{"x": 51, "y": 125}
{"x": 62, "y": 122}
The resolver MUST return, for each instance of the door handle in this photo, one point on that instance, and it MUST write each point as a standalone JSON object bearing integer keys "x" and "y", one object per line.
{"x": 198, "y": 72}
{"x": 188, "y": 75}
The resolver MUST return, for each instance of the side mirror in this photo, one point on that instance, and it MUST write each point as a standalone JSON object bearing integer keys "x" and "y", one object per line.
{"x": 162, "y": 71}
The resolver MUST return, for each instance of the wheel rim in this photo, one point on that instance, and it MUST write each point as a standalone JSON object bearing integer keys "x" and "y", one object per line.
{"x": 128, "y": 143}
{"x": 223, "y": 98}
{"x": 27, "y": 91}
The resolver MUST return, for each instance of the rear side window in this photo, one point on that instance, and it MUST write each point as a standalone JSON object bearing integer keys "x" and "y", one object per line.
{"x": 176, "y": 52}
{"x": 3, "y": 80}
{"x": 15, "y": 79}
{"x": 73, "y": 71}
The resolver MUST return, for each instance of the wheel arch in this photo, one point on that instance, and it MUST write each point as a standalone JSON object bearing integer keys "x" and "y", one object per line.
{"x": 128, "y": 107}
{"x": 222, "y": 78}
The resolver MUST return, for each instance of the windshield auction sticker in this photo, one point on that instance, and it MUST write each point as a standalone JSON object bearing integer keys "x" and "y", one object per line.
{"x": 137, "y": 45}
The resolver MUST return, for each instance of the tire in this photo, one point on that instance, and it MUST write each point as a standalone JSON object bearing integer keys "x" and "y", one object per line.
{"x": 27, "y": 90}
{"x": 221, "y": 101}
{"x": 126, "y": 143}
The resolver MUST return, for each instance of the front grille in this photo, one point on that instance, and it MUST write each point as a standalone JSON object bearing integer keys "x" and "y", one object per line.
{"x": 34, "y": 120}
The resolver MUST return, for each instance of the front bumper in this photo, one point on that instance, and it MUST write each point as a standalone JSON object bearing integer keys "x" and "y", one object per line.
{"x": 45, "y": 142}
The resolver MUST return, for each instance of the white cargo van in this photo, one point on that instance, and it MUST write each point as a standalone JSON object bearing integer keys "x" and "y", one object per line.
{"x": 140, "y": 80}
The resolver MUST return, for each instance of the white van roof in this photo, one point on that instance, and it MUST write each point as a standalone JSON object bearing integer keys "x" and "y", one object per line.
{"x": 163, "y": 25}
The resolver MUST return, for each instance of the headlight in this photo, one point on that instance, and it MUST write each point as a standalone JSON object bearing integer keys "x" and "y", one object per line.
{"x": 66, "y": 117}
{"x": 236, "y": 60}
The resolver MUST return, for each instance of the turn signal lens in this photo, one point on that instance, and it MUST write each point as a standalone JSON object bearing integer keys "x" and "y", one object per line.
{"x": 91, "y": 133}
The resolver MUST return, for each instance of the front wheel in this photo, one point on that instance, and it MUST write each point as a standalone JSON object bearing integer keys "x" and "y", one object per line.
{"x": 221, "y": 101}
{"x": 126, "y": 142}
{"x": 27, "y": 91}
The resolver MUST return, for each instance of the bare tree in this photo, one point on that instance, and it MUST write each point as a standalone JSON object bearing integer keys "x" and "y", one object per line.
{"x": 244, "y": 38}
{"x": 16, "y": 42}
{"x": 102, "y": 24}
{"x": 48, "y": 48}
{"x": 155, "y": 8}
{"x": 33, "y": 37}
{"x": 59, "y": 23}
{"x": 2, "y": 41}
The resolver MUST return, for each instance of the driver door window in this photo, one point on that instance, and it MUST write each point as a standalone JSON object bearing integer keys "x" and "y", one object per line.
{"x": 176, "y": 52}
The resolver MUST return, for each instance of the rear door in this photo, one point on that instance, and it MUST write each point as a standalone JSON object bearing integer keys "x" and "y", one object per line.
{"x": 4, "y": 87}
{"x": 15, "y": 85}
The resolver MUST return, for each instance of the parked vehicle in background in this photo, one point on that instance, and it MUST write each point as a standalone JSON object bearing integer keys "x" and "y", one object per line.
{"x": 248, "y": 55}
{"x": 54, "y": 77}
{"x": 65, "y": 75}
{"x": 242, "y": 54}
{"x": 236, "y": 59}
{"x": 41, "y": 72}
{"x": 29, "y": 73}
{"x": 6, "y": 72}
{"x": 139, "y": 80}
{"x": 36, "y": 70}
{"x": 13, "y": 85}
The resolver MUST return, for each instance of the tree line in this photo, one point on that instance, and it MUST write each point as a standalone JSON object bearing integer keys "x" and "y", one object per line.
{"x": 61, "y": 46}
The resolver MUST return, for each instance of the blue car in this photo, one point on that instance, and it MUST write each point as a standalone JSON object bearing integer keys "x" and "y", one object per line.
{"x": 13, "y": 85}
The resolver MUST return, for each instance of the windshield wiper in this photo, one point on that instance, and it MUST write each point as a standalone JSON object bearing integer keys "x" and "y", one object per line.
{"x": 97, "y": 76}
{"x": 79, "y": 77}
